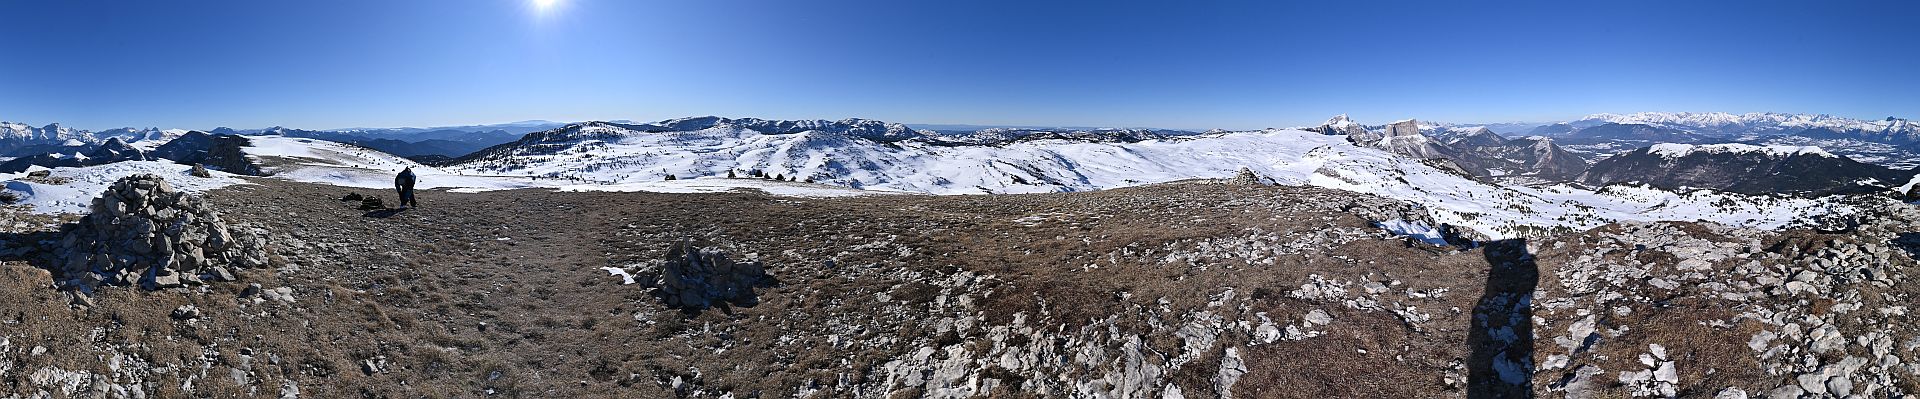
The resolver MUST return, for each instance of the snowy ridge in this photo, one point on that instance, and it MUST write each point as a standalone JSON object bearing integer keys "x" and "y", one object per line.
{"x": 321, "y": 161}
{"x": 1671, "y": 150}
{"x": 1754, "y": 121}
{"x": 1340, "y": 121}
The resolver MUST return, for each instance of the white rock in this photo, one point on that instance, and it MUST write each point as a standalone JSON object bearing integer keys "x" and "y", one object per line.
{"x": 1319, "y": 317}
{"x": 1839, "y": 386}
{"x": 1786, "y": 392}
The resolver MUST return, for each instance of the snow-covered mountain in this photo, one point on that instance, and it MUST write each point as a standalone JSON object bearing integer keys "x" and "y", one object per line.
{"x": 997, "y": 136}
{"x": 842, "y": 153}
{"x": 1727, "y": 125}
{"x": 1745, "y": 169}
{"x": 15, "y": 137}
{"x": 113, "y": 150}
{"x": 1890, "y": 142}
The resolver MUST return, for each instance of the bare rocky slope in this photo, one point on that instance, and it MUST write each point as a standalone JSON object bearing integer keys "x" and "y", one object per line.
{"x": 1189, "y": 289}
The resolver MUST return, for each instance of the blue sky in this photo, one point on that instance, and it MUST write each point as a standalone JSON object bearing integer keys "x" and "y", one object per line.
{"x": 1178, "y": 64}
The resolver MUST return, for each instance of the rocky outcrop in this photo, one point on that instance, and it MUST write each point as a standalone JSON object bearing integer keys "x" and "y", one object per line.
{"x": 1402, "y": 138}
{"x": 142, "y": 231}
{"x": 1340, "y": 125}
{"x": 1476, "y": 152}
{"x": 1787, "y": 315}
{"x": 217, "y": 151}
{"x": 694, "y": 279}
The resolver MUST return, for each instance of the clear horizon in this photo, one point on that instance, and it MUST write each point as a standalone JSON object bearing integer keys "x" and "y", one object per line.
{"x": 109, "y": 64}
{"x": 984, "y": 125}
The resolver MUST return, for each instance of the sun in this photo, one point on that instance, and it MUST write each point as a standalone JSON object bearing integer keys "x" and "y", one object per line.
{"x": 544, "y": 4}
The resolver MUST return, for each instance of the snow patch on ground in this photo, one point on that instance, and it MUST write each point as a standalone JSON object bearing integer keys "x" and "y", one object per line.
{"x": 625, "y": 278}
{"x": 1415, "y": 230}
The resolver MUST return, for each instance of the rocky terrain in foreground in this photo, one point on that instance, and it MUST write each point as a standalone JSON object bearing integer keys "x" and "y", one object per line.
{"x": 1189, "y": 289}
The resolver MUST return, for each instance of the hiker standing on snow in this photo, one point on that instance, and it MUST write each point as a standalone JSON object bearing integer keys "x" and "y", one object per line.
{"x": 404, "y": 184}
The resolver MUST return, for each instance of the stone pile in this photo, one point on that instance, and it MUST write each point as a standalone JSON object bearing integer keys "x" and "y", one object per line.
{"x": 142, "y": 231}
{"x": 696, "y": 279}
{"x": 367, "y": 202}
{"x": 1248, "y": 177}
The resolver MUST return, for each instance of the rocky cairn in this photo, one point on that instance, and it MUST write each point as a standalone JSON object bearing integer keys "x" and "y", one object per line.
{"x": 142, "y": 231}
{"x": 695, "y": 279}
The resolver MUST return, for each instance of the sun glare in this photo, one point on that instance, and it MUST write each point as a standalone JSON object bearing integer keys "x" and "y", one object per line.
{"x": 543, "y": 5}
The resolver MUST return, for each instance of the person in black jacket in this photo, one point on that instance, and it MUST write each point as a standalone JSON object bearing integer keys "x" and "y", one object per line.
{"x": 404, "y": 184}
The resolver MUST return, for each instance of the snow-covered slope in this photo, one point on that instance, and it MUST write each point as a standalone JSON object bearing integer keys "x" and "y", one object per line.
{"x": 1744, "y": 168}
{"x": 1672, "y": 150}
{"x": 321, "y": 161}
{"x": 79, "y": 185}
{"x": 614, "y": 153}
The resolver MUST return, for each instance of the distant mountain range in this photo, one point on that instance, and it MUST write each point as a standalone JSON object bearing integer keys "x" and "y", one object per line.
{"x": 859, "y": 152}
{"x": 1464, "y": 175}
{"x": 1468, "y": 176}
{"x": 1747, "y": 169}
{"x": 19, "y": 140}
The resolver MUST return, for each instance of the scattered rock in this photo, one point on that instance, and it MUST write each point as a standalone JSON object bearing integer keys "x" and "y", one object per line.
{"x": 1319, "y": 317}
{"x": 282, "y": 294}
{"x": 186, "y": 312}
